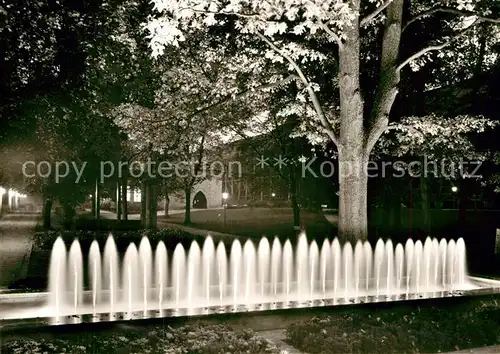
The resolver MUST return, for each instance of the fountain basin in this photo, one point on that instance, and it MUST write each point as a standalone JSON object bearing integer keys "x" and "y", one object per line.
{"x": 250, "y": 278}
{"x": 17, "y": 308}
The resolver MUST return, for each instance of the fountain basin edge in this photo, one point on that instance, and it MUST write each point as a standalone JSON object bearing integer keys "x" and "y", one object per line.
{"x": 260, "y": 319}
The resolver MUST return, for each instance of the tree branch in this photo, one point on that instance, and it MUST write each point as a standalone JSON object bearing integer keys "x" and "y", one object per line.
{"x": 228, "y": 98}
{"x": 436, "y": 47}
{"x": 221, "y": 13}
{"x": 312, "y": 94}
{"x": 375, "y": 13}
{"x": 451, "y": 11}
{"x": 389, "y": 77}
{"x": 331, "y": 33}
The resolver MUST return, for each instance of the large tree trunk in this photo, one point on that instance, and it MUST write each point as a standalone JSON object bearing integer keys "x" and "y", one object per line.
{"x": 353, "y": 193}
{"x": 353, "y": 223}
{"x": 357, "y": 137}
{"x": 187, "y": 216}
{"x": 47, "y": 213}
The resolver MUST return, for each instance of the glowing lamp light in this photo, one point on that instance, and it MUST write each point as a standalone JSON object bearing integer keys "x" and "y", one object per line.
{"x": 273, "y": 195}
{"x": 454, "y": 189}
{"x": 225, "y": 195}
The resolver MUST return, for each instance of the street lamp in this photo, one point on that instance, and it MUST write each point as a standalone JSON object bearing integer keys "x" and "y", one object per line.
{"x": 273, "y": 195}
{"x": 454, "y": 189}
{"x": 225, "y": 195}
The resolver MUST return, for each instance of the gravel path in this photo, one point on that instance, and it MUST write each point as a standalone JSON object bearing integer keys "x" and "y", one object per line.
{"x": 277, "y": 336}
{"x": 16, "y": 235}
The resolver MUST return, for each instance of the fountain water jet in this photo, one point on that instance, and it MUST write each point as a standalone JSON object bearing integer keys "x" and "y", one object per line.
{"x": 146, "y": 271}
{"x": 221, "y": 271}
{"x": 263, "y": 254}
{"x": 193, "y": 276}
{"x": 236, "y": 271}
{"x": 95, "y": 274}
{"x": 337, "y": 257}
{"x": 302, "y": 265}
{"x": 287, "y": 269}
{"x": 131, "y": 293}
{"x": 161, "y": 272}
{"x": 313, "y": 269}
{"x": 178, "y": 274}
{"x": 249, "y": 272}
{"x": 110, "y": 269}
{"x": 325, "y": 260}
{"x": 75, "y": 277}
{"x": 275, "y": 266}
{"x": 57, "y": 278}
{"x": 208, "y": 266}
{"x": 348, "y": 271}
{"x": 358, "y": 266}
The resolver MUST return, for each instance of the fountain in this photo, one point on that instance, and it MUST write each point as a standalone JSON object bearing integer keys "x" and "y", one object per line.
{"x": 256, "y": 276}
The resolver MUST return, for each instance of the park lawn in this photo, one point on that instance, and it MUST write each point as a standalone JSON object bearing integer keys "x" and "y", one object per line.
{"x": 255, "y": 222}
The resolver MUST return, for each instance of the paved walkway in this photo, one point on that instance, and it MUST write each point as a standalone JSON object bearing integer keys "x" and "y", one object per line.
{"x": 484, "y": 350}
{"x": 16, "y": 234}
{"x": 277, "y": 337}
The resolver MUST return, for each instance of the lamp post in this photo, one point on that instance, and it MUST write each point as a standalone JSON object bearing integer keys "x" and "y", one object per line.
{"x": 225, "y": 195}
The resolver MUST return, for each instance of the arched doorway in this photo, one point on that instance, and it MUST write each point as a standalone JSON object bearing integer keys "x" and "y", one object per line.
{"x": 200, "y": 201}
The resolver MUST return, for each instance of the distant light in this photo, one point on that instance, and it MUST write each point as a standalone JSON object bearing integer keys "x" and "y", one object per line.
{"x": 273, "y": 195}
{"x": 454, "y": 189}
{"x": 225, "y": 195}
{"x": 324, "y": 206}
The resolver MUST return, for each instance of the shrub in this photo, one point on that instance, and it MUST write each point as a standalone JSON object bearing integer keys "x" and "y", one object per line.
{"x": 44, "y": 240}
{"x": 430, "y": 329}
{"x": 200, "y": 339}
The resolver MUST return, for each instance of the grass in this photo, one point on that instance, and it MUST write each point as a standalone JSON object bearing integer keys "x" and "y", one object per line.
{"x": 200, "y": 339}
{"x": 255, "y": 222}
{"x": 433, "y": 329}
